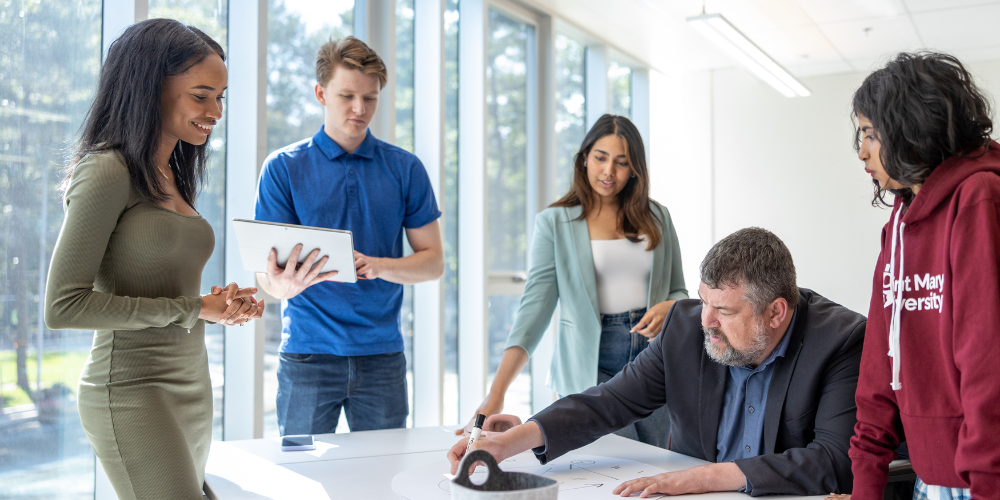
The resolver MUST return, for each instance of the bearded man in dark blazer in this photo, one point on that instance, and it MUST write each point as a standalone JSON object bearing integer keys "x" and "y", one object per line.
{"x": 758, "y": 376}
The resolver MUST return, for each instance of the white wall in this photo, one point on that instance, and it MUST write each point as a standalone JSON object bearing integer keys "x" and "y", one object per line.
{"x": 783, "y": 164}
{"x": 680, "y": 164}
{"x": 788, "y": 165}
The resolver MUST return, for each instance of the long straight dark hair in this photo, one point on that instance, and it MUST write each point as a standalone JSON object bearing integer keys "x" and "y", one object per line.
{"x": 925, "y": 108}
{"x": 126, "y": 115}
{"x": 635, "y": 218}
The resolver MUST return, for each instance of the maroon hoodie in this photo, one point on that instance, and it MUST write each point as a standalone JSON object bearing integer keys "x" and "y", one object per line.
{"x": 935, "y": 322}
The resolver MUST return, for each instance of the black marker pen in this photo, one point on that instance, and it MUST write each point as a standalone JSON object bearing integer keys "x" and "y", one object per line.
{"x": 477, "y": 429}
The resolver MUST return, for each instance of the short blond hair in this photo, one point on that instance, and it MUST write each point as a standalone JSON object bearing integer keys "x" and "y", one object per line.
{"x": 350, "y": 53}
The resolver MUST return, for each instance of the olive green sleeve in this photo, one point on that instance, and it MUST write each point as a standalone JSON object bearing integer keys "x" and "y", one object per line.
{"x": 97, "y": 196}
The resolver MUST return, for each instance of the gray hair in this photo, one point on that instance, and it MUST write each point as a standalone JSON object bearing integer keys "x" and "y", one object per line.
{"x": 756, "y": 258}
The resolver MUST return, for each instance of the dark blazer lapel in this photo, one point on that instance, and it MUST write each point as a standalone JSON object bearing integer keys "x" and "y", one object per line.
{"x": 781, "y": 378}
{"x": 711, "y": 392}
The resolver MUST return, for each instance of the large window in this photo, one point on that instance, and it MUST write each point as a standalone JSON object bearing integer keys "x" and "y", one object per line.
{"x": 570, "y": 108}
{"x": 209, "y": 16}
{"x": 510, "y": 87}
{"x": 50, "y": 55}
{"x": 404, "y": 139}
{"x": 450, "y": 194}
{"x": 620, "y": 87}
{"x": 295, "y": 31}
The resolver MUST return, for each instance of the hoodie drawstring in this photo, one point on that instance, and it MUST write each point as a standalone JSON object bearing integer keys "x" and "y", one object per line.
{"x": 897, "y": 299}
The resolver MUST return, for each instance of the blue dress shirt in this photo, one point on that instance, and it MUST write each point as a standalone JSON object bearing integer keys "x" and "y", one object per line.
{"x": 375, "y": 193}
{"x": 741, "y": 426}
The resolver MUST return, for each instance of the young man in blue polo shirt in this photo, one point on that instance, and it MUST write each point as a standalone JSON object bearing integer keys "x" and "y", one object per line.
{"x": 341, "y": 346}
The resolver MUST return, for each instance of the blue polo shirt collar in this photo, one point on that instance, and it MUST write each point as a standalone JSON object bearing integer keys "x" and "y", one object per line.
{"x": 332, "y": 150}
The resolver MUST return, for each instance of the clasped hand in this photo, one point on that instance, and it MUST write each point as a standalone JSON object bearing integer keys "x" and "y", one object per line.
{"x": 231, "y": 305}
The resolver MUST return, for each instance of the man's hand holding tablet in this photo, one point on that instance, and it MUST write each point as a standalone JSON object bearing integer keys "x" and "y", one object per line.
{"x": 287, "y": 282}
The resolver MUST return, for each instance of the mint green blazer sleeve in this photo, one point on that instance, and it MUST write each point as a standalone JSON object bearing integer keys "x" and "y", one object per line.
{"x": 561, "y": 273}
{"x": 541, "y": 292}
{"x": 678, "y": 291}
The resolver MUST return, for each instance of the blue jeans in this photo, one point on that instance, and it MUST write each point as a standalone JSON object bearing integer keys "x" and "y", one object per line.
{"x": 620, "y": 347}
{"x": 313, "y": 388}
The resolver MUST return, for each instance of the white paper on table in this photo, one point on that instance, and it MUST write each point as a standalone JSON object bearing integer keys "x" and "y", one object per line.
{"x": 580, "y": 477}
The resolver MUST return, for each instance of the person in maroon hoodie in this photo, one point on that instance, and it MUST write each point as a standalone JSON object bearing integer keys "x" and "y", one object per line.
{"x": 932, "y": 345}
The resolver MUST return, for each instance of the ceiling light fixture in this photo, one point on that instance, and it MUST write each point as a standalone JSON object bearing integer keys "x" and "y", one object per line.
{"x": 717, "y": 29}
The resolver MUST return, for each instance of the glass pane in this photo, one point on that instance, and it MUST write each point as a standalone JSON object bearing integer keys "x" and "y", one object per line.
{"x": 507, "y": 53}
{"x": 295, "y": 31}
{"x": 404, "y": 74}
{"x": 450, "y": 202}
{"x": 620, "y": 86}
{"x": 211, "y": 17}
{"x": 509, "y": 49}
{"x": 50, "y": 55}
{"x": 502, "y": 309}
{"x": 404, "y": 139}
{"x": 570, "y": 108}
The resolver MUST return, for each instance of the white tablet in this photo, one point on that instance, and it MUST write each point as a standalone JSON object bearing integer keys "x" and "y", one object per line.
{"x": 257, "y": 238}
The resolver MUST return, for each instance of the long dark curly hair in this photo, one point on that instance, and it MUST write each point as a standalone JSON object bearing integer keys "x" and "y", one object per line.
{"x": 924, "y": 108}
{"x": 635, "y": 218}
{"x": 126, "y": 115}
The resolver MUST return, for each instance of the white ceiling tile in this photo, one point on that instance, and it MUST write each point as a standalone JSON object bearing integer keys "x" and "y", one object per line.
{"x": 784, "y": 13}
{"x": 883, "y": 36}
{"x": 798, "y": 45}
{"x": 746, "y": 16}
{"x": 835, "y": 11}
{"x": 926, "y": 5}
{"x": 977, "y": 54}
{"x": 867, "y": 65}
{"x": 820, "y": 69}
{"x": 954, "y": 29}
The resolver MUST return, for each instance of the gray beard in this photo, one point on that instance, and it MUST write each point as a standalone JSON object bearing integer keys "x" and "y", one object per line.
{"x": 729, "y": 355}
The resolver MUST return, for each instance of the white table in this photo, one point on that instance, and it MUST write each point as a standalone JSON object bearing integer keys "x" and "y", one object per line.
{"x": 361, "y": 465}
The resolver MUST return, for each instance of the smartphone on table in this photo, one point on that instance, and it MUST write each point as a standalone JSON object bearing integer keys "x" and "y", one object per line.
{"x": 297, "y": 443}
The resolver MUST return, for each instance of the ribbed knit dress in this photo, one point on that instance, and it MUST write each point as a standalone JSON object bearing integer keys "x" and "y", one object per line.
{"x": 131, "y": 270}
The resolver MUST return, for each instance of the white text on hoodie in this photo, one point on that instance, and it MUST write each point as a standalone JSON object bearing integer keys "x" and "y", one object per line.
{"x": 925, "y": 282}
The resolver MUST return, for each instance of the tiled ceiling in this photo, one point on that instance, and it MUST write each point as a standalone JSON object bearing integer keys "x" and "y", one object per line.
{"x": 808, "y": 37}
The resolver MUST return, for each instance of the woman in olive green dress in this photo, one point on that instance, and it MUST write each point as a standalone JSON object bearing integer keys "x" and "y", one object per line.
{"x": 129, "y": 258}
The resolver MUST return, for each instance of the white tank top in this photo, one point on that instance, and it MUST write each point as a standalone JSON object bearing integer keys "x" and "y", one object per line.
{"x": 622, "y": 269}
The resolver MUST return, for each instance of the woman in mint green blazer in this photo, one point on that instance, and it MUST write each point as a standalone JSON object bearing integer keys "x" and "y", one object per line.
{"x": 608, "y": 255}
